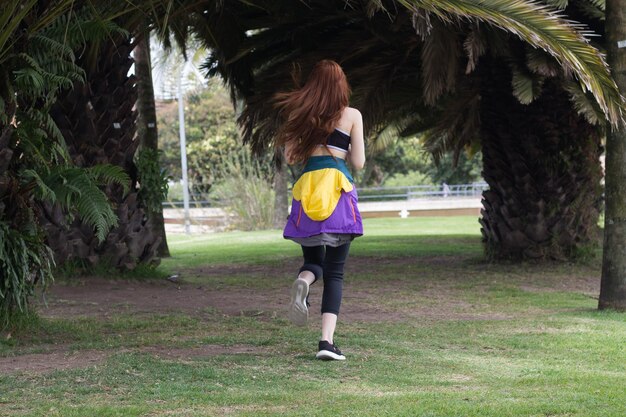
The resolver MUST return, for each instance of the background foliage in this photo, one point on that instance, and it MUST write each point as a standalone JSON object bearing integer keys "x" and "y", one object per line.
{"x": 245, "y": 190}
{"x": 210, "y": 130}
{"x": 152, "y": 178}
{"x": 212, "y": 136}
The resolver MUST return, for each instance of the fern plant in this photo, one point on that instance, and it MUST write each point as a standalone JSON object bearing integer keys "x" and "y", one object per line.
{"x": 77, "y": 190}
{"x": 24, "y": 263}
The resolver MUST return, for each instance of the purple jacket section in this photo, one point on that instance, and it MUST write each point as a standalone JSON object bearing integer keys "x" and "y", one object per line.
{"x": 345, "y": 219}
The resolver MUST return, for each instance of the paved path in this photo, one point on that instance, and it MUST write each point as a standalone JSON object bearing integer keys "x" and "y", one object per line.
{"x": 211, "y": 219}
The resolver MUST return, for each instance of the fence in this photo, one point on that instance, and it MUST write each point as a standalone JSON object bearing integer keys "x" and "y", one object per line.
{"x": 422, "y": 191}
{"x": 373, "y": 194}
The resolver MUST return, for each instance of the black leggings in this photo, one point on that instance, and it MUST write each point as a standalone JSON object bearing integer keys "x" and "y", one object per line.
{"x": 327, "y": 262}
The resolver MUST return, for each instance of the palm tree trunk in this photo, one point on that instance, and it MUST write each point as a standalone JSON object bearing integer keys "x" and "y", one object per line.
{"x": 98, "y": 123}
{"x": 613, "y": 284}
{"x": 147, "y": 124}
{"x": 280, "y": 190}
{"x": 541, "y": 162}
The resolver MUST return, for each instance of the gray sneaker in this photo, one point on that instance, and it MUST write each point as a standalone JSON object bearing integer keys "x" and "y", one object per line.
{"x": 298, "y": 308}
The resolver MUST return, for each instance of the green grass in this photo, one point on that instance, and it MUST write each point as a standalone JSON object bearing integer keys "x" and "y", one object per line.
{"x": 447, "y": 335}
{"x": 383, "y": 237}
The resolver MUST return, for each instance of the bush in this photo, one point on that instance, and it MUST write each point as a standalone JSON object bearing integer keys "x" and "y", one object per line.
{"x": 152, "y": 178}
{"x": 246, "y": 191}
{"x": 24, "y": 262}
{"x": 410, "y": 179}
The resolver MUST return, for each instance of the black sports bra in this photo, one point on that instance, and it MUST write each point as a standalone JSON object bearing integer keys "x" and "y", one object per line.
{"x": 339, "y": 140}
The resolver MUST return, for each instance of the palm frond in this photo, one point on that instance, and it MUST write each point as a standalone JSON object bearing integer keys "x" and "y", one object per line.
{"x": 541, "y": 63}
{"x": 384, "y": 139}
{"x": 458, "y": 126}
{"x": 558, "y": 4}
{"x": 545, "y": 29}
{"x": 440, "y": 62}
{"x": 600, "y": 4}
{"x": 12, "y": 15}
{"x": 584, "y": 104}
{"x": 526, "y": 87}
{"x": 475, "y": 46}
{"x": 393, "y": 57}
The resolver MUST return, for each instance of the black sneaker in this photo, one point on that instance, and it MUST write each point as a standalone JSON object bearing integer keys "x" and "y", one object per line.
{"x": 329, "y": 352}
{"x": 299, "y": 306}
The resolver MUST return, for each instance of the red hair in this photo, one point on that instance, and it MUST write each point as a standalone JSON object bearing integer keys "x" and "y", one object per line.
{"x": 311, "y": 112}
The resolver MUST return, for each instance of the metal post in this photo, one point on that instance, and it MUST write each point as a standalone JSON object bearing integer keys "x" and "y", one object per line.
{"x": 183, "y": 149}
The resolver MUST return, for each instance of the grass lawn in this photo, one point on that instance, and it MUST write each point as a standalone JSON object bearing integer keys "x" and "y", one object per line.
{"x": 428, "y": 328}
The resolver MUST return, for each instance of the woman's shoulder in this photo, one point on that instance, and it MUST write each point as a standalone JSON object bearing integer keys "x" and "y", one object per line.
{"x": 351, "y": 111}
{"x": 350, "y": 116}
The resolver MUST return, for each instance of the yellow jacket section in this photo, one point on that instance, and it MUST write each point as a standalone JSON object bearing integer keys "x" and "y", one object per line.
{"x": 319, "y": 192}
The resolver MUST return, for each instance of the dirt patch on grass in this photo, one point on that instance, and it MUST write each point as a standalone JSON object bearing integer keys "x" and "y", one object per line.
{"x": 380, "y": 302}
{"x": 63, "y": 359}
{"x": 96, "y": 296}
{"x": 588, "y": 285}
{"x": 52, "y": 361}
{"x": 203, "y": 351}
{"x": 376, "y": 289}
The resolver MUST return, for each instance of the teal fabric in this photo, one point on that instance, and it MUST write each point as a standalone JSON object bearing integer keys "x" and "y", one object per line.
{"x": 325, "y": 161}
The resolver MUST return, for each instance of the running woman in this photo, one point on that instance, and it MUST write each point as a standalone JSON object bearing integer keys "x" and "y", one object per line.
{"x": 320, "y": 132}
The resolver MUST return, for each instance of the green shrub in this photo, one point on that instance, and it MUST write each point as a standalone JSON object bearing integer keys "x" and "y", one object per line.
{"x": 24, "y": 262}
{"x": 409, "y": 179}
{"x": 246, "y": 192}
{"x": 152, "y": 178}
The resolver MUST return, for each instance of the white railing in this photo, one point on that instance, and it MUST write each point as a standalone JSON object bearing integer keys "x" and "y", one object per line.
{"x": 422, "y": 191}
{"x": 375, "y": 194}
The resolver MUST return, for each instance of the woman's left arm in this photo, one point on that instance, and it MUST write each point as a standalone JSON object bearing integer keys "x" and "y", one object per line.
{"x": 357, "y": 143}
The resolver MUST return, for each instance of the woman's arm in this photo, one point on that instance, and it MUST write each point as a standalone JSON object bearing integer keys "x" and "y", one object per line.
{"x": 356, "y": 157}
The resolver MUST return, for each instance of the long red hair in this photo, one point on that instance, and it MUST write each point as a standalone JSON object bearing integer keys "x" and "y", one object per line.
{"x": 311, "y": 112}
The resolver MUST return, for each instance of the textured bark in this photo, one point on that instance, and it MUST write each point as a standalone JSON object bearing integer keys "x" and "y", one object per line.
{"x": 280, "y": 190}
{"x": 613, "y": 285}
{"x": 541, "y": 162}
{"x": 6, "y": 156}
{"x": 147, "y": 129}
{"x": 98, "y": 123}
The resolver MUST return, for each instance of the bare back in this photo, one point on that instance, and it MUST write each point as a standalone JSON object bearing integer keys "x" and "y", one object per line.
{"x": 351, "y": 122}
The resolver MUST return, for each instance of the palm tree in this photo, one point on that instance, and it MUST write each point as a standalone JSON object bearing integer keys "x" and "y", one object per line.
{"x": 107, "y": 134}
{"x": 98, "y": 124}
{"x": 491, "y": 74}
{"x": 613, "y": 287}
{"x": 36, "y": 63}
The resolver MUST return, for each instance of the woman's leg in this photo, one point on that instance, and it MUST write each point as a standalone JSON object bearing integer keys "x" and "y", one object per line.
{"x": 311, "y": 270}
{"x": 333, "y": 265}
